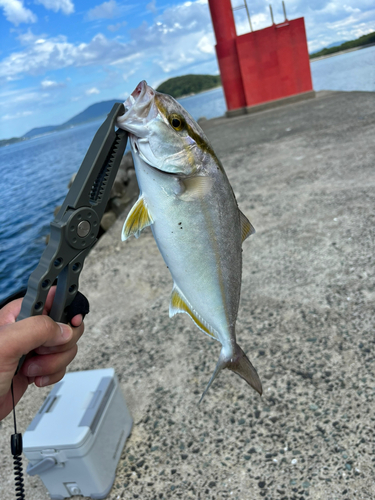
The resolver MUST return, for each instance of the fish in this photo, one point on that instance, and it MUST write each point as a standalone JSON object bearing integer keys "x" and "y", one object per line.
{"x": 187, "y": 200}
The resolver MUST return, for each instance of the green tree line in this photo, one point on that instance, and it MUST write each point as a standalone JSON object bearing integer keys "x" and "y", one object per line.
{"x": 361, "y": 41}
{"x": 189, "y": 84}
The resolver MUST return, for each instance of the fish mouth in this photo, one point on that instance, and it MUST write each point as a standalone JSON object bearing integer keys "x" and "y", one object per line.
{"x": 139, "y": 110}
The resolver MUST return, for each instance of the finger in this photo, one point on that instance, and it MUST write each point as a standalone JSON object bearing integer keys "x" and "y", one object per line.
{"x": 49, "y": 300}
{"x": 26, "y": 335}
{"x": 77, "y": 333}
{"x": 77, "y": 320}
{"x": 49, "y": 379}
{"x": 41, "y": 366}
{"x": 9, "y": 313}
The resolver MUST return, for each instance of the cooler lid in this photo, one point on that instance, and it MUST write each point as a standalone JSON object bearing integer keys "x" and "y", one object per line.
{"x": 72, "y": 410}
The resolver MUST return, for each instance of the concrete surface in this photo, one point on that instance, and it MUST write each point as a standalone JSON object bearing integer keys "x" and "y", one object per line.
{"x": 305, "y": 176}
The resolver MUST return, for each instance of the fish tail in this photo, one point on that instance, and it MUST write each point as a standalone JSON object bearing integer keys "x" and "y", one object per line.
{"x": 238, "y": 363}
{"x": 219, "y": 366}
{"x": 241, "y": 365}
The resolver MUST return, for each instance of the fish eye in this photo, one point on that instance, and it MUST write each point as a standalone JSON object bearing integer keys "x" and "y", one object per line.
{"x": 176, "y": 122}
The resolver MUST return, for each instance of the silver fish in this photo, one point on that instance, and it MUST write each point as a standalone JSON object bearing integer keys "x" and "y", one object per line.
{"x": 186, "y": 198}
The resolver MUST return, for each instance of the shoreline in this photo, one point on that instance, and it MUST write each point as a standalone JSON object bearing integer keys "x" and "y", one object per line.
{"x": 197, "y": 93}
{"x": 340, "y": 52}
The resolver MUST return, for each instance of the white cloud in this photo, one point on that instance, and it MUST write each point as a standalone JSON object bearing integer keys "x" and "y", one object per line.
{"x": 152, "y": 7}
{"x": 116, "y": 27}
{"x": 207, "y": 44}
{"x": 51, "y": 84}
{"x": 181, "y": 38}
{"x": 339, "y": 24}
{"x": 94, "y": 90}
{"x": 66, "y": 6}
{"x": 7, "y": 97}
{"x": 16, "y": 13}
{"x": 27, "y": 38}
{"x": 178, "y": 38}
{"x": 45, "y": 54}
{"x": 106, "y": 10}
{"x": 350, "y": 9}
{"x": 20, "y": 114}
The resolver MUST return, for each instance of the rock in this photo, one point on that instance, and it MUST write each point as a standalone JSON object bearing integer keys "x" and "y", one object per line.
{"x": 131, "y": 191}
{"x": 122, "y": 177}
{"x": 108, "y": 219}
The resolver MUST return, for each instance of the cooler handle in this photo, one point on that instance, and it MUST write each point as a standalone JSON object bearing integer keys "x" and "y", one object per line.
{"x": 98, "y": 404}
{"x": 42, "y": 466}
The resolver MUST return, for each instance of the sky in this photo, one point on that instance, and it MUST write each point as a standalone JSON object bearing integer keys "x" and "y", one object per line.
{"x": 57, "y": 57}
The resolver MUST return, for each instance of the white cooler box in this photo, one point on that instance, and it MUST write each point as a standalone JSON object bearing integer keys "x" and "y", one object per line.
{"x": 75, "y": 441}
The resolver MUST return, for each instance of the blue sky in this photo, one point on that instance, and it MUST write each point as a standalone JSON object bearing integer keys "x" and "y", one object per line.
{"x": 59, "y": 56}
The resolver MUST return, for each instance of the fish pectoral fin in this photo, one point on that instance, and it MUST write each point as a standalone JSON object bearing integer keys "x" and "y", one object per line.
{"x": 138, "y": 218}
{"x": 195, "y": 187}
{"x": 247, "y": 229}
{"x": 179, "y": 304}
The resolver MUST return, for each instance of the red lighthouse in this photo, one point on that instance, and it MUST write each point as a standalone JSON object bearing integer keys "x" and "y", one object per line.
{"x": 266, "y": 66}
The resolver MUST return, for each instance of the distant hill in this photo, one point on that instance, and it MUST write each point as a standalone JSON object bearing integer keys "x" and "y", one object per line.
{"x": 93, "y": 112}
{"x": 13, "y": 140}
{"x": 358, "y": 42}
{"x": 335, "y": 44}
{"x": 177, "y": 87}
{"x": 189, "y": 84}
{"x": 40, "y": 131}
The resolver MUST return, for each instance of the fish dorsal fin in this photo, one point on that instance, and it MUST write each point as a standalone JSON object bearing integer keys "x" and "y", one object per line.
{"x": 138, "y": 218}
{"x": 247, "y": 229}
{"x": 179, "y": 304}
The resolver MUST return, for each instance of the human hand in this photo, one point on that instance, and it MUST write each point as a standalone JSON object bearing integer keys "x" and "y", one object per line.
{"x": 49, "y": 347}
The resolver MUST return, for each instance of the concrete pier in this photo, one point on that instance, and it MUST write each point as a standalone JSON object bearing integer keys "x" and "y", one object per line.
{"x": 304, "y": 174}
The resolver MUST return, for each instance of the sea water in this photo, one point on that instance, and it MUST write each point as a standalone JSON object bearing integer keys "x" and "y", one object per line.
{"x": 35, "y": 173}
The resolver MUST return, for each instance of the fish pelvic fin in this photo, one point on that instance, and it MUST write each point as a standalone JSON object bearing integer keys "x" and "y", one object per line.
{"x": 179, "y": 304}
{"x": 247, "y": 229}
{"x": 238, "y": 363}
{"x": 138, "y": 218}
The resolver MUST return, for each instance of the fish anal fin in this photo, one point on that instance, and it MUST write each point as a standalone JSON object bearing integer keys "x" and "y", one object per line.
{"x": 179, "y": 304}
{"x": 138, "y": 218}
{"x": 247, "y": 229}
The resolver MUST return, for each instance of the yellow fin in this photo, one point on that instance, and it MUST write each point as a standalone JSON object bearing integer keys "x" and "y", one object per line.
{"x": 138, "y": 218}
{"x": 178, "y": 304}
{"x": 247, "y": 228}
